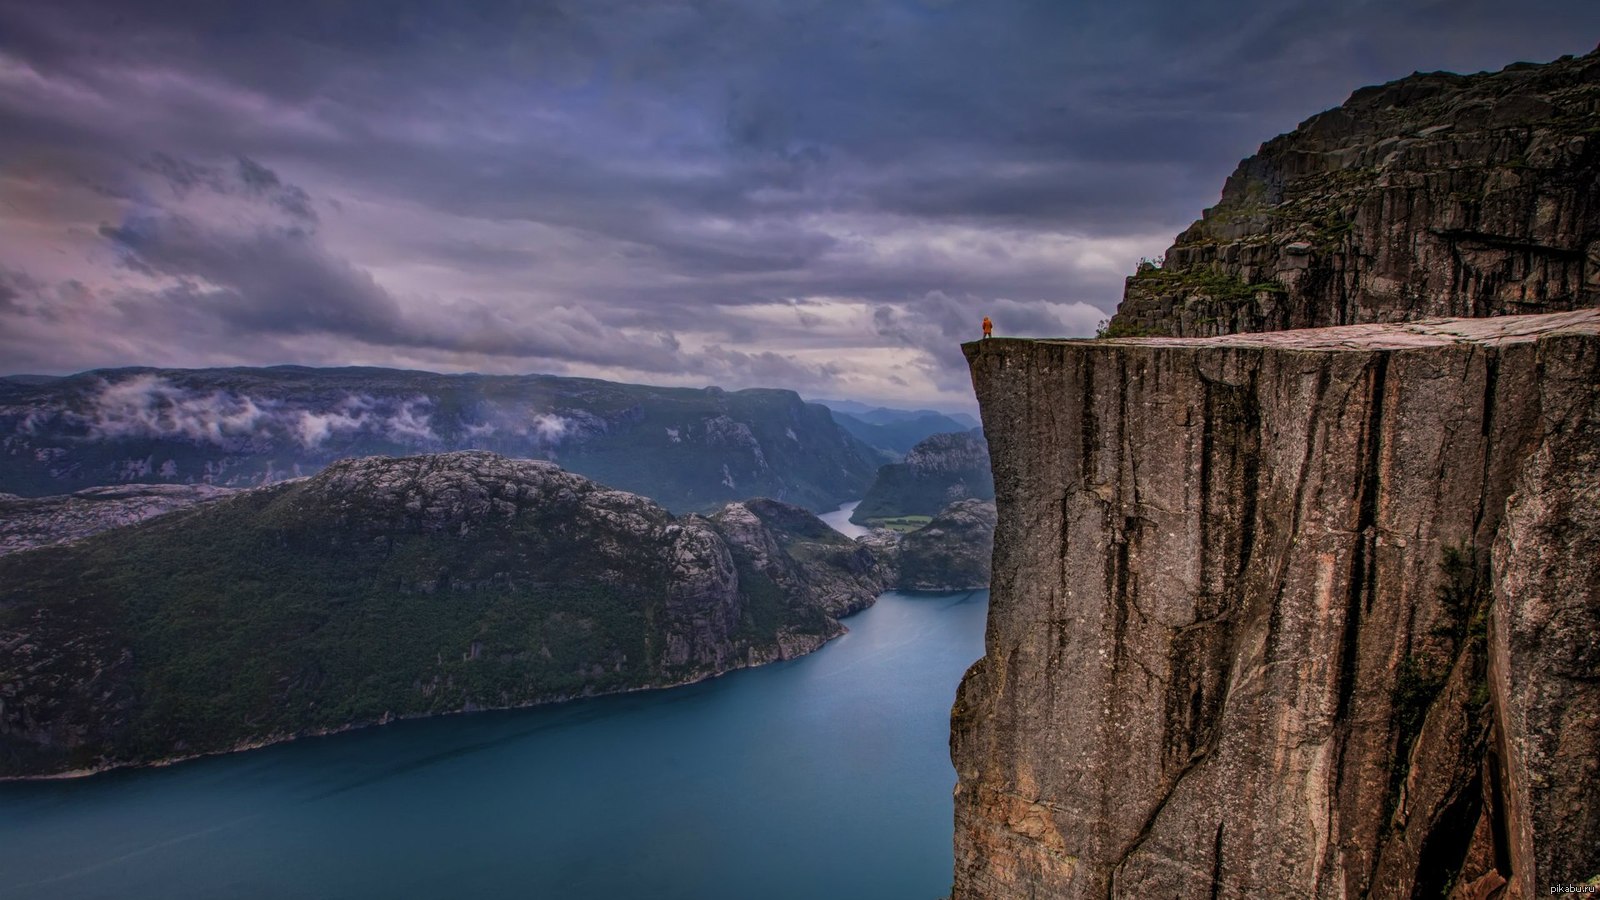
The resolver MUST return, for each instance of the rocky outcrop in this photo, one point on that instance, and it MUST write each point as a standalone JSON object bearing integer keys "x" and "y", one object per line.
{"x": 938, "y": 471}
{"x": 951, "y": 552}
{"x": 384, "y": 588}
{"x": 1434, "y": 195}
{"x": 40, "y": 521}
{"x": 1299, "y": 614}
{"x": 801, "y": 556}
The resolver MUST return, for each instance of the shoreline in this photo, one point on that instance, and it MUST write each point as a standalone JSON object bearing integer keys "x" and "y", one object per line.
{"x": 388, "y": 719}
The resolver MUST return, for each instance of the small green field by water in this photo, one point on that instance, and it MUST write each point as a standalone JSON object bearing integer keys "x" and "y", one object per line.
{"x": 902, "y": 524}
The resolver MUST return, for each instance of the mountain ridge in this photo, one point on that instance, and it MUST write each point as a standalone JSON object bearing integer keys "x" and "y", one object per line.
{"x": 389, "y": 587}
{"x": 692, "y": 449}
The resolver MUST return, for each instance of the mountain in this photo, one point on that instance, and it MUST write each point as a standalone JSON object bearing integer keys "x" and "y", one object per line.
{"x": 40, "y": 521}
{"x": 800, "y": 555}
{"x": 898, "y": 435}
{"x": 689, "y": 449}
{"x": 1288, "y": 611}
{"x": 385, "y": 588}
{"x": 1434, "y": 195}
{"x": 950, "y": 553}
{"x": 938, "y": 470}
{"x": 884, "y": 415}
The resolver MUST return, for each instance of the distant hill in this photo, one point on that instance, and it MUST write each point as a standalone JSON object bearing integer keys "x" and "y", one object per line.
{"x": 882, "y": 415}
{"x": 689, "y": 449}
{"x": 938, "y": 471}
{"x": 950, "y": 553}
{"x": 897, "y": 434}
{"x": 385, "y": 588}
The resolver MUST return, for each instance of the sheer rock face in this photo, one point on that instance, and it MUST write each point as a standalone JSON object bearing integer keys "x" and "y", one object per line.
{"x": 1299, "y": 614}
{"x": 1434, "y": 195}
{"x": 41, "y": 521}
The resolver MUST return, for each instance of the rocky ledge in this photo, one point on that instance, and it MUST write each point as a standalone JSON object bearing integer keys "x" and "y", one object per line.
{"x": 1309, "y": 614}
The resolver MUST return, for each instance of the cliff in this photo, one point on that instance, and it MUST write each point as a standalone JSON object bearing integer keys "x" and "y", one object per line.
{"x": 939, "y": 470}
{"x": 1434, "y": 195}
{"x": 385, "y": 588}
{"x": 1299, "y": 614}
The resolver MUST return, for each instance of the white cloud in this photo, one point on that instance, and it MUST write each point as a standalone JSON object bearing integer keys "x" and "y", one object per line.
{"x": 151, "y": 406}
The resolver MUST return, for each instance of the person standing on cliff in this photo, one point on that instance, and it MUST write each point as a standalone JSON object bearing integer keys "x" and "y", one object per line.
{"x": 988, "y": 328}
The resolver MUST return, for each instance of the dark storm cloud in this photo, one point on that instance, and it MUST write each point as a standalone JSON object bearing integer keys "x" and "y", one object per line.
{"x": 13, "y": 286}
{"x": 602, "y": 182}
{"x": 277, "y": 281}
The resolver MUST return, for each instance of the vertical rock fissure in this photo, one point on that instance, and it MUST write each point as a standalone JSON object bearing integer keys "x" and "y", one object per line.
{"x": 1216, "y": 864}
{"x": 1491, "y": 382}
{"x": 1445, "y": 847}
{"x": 1129, "y": 525}
{"x": 1362, "y": 558}
{"x": 1497, "y": 801}
{"x": 1088, "y": 427}
{"x": 1149, "y": 823}
{"x": 1359, "y": 587}
{"x": 1280, "y": 579}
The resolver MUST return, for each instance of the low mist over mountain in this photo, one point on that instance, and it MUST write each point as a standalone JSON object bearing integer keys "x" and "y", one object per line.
{"x": 689, "y": 449}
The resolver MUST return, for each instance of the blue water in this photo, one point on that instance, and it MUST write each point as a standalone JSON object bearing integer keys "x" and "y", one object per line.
{"x": 839, "y": 520}
{"x": 822, "y": 777}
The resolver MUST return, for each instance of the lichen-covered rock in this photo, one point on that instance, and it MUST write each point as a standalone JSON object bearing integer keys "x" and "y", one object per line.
{"x": 951, "y": 552}
{"x": 384, "y": 588}
{"x": 40, "y": 521}
{"x": 1434, "y": 195}
{"x": 1296, "y": 614}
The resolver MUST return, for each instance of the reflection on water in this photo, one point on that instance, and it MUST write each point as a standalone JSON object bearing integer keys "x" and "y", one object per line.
{"x": 826, "y": 776}
{"x": 839, "y": 520}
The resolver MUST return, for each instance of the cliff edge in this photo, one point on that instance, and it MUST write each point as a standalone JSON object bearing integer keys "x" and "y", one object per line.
{"x": 1295, "y": 614}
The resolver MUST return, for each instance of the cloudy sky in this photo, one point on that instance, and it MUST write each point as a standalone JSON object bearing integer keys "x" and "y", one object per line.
{"x": 817, "y": 194}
